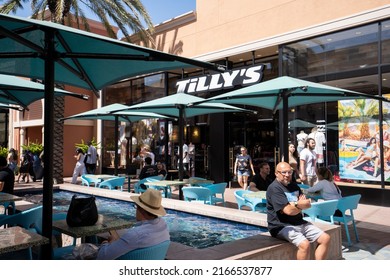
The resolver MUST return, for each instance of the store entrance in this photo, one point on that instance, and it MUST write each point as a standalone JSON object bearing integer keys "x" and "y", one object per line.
{"x": 259, "y": 137}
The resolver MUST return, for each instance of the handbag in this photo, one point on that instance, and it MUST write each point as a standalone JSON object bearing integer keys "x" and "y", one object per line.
{"x": 82, "y": 212}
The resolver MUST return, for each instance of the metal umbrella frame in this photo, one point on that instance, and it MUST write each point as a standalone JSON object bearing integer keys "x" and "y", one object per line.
{"x": 105, "y": 113}
{"x": 59, "y": 54}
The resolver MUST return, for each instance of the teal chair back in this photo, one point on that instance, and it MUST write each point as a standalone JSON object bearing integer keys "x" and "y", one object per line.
{"x": 137, "y": 186}
{"x": 322, "y": 211}
{"x": 156, "y": 252}
{"x": 30, "y": 219}
{"x": 198, "y": 194}
{"x": 346, "y": 205}
{"x": 217, "y": 192}
{"x": 113, "y": 183}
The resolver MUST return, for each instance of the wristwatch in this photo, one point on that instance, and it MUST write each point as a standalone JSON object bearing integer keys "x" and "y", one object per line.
{"x": 296, "y": 205}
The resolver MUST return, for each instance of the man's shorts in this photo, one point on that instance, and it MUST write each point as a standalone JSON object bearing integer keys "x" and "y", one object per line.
{"x": 297, "y": 234}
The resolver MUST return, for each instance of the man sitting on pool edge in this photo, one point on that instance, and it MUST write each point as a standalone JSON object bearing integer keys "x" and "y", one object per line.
{"x": 285, "y": 203}
{"x": 149, "y": 230}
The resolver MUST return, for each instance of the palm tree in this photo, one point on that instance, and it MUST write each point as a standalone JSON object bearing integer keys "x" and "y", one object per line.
{"x": 126, "y": 14}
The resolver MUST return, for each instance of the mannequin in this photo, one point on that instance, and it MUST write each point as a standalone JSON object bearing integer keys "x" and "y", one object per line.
{"x": 301, "y": 138}
{"x": 319, "y": 137}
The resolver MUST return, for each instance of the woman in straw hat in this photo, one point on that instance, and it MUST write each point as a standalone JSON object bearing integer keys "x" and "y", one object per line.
{"x": 149, "y": 230}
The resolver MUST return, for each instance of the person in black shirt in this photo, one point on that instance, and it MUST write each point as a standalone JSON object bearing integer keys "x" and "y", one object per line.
{"x": 7, "y": 177}
{"x": 285, "y": 203}
{"x": 261, "y": 181}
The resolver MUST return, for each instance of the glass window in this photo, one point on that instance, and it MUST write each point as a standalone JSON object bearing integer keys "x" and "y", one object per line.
{"x": 386, "y": 42}
{"x": 352, "y": 49}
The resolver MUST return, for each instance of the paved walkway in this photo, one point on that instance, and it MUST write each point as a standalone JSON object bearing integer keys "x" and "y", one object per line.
{"x": 373, "y": 225}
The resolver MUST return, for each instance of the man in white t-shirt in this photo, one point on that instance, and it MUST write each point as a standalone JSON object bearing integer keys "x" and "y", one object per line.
{"x": 307, "y": 163}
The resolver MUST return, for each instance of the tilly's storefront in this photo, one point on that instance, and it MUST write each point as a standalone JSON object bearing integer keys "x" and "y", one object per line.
{"x": 356, "y": 59}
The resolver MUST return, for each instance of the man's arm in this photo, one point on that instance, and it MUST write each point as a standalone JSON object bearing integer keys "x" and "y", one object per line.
{"x": 1, "y": 186}
{"x": 294, "y": 208}
{"x": 302, "y": 170}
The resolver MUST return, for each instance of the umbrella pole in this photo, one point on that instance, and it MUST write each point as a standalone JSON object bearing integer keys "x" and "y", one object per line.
{"x": 116, "y": 136}
{"x": 47, "y": 209}
{"x": 181, "y": 135}
{"x": 285, "y": 126}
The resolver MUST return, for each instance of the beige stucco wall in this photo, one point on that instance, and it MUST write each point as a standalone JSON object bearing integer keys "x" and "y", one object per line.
{"x": 223, "y": 24}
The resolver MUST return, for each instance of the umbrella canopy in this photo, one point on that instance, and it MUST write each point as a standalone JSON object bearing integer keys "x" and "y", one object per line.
{"x": 285, "y": 92}
{"x": 181, "y": 106}
{"x": 300, "y": 123}
{"x": 14, "y": 90}
{"x": 56, "y": 53}
{"x": 105, "y": 113}
{"x": 82, "y": 59}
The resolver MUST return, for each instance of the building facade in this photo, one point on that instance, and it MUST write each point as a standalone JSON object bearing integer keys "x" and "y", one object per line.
{"x": 339, "y": 43}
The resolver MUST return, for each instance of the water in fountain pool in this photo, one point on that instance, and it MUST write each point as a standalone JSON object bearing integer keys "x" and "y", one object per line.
{"x": 189, "y": 229}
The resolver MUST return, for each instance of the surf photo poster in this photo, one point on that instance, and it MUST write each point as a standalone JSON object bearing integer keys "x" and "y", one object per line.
{"x": 359, "y": 140}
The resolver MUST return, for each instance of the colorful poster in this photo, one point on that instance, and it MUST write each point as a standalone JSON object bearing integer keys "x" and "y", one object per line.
{"x": 359, "y": 140}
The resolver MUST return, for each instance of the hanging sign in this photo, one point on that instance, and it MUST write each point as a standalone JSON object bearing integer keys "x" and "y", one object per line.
{"x": 218, "y": 81}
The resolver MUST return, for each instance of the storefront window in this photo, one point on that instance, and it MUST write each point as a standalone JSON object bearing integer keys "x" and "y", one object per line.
{"x": 385, "y": 42}
{"x": 348, "y": 50}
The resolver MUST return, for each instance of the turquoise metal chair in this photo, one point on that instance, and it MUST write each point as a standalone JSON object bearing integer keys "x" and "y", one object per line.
{"x": 346, "y": 205}
{"x": 255, "y": 204}
{"x": 89, "y": 181}
{"x": 197, "y": 194}
{"x": 137, "y": 186}
{"x": 30, "y": 219}
{"x": 113, "y": 183}
{"x": 217, "y": 193}
{"x": 156, "y": 252}
{"x": 322, "y": 211}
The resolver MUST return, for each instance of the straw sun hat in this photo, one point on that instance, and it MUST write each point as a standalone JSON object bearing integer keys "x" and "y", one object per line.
{"x": 150, "y": 201}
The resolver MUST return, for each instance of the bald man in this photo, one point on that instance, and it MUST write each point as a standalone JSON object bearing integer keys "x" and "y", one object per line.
{"x": 285, "y": 203}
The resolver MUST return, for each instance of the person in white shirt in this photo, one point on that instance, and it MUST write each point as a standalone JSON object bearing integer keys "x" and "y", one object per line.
{"x": 307, "y": 163}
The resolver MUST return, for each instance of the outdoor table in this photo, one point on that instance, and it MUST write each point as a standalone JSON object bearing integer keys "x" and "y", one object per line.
{"x": 166, "y": 183}
{"x": 200, "y": 182}
{"x": 261, "y": 195}
{"x": 16, "y": 238}
{"x": 6, "y": 197}
{"x": 104, "y": 224}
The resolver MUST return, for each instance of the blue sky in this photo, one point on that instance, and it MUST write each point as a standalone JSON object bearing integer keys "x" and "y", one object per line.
{"x": 159, "y": 10}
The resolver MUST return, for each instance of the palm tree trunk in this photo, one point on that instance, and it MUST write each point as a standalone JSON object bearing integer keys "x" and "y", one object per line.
{"x": 58, "y": 151}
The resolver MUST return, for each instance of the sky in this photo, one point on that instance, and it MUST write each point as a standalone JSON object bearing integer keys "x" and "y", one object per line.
{"x": 159, "y": 10}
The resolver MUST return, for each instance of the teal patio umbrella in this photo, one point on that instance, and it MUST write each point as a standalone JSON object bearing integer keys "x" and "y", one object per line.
{"x": 59, "y": 54}
{"x": 22, "y": 92}
{"x": 105, "y": 113}
{"x": 182, "y": 106}
{"x": 284, "y": 92}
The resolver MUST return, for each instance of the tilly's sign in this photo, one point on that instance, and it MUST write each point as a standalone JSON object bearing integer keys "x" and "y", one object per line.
{"x": 228, "y": 79}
